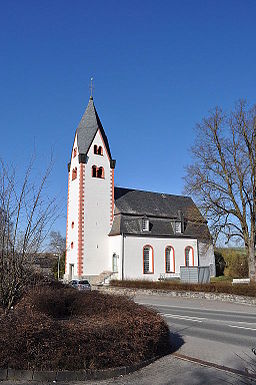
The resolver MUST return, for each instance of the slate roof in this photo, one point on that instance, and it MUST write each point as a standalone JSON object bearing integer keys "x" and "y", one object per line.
{"x": 149, "y": 203}
{"x": 87, "y": 129}
{"x": 161, "y": 209}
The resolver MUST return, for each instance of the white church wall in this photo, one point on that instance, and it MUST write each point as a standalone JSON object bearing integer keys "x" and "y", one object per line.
{"x": 133, "y": 255}
{"x": 97, "y": 210}
{"x": 72, "y": 233}
{"x": 206, "y": 256}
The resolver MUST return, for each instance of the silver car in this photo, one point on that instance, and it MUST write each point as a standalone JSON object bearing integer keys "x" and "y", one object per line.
{"x": 80, "y": 284}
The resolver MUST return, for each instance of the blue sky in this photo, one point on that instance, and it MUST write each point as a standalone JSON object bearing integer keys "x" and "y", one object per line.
{"x": 159, "y": 66}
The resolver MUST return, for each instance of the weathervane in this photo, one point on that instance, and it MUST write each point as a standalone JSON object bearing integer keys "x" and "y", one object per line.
{"x": 91, "y": 87}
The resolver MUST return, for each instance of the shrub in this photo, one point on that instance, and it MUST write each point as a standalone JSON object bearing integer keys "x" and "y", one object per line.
{"x": 60, "y": 328}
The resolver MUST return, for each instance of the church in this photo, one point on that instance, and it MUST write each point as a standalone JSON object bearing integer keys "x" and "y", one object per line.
{"x": 122, "y": 233}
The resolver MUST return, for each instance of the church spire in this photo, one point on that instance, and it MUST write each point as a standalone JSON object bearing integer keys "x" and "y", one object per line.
{"x": 88, "y": 126}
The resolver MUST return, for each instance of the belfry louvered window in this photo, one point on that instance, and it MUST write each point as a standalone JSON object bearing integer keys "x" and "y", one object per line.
{"x": 94, "y": 171}
{"x": 148, "y": 260}
{"x": 74, "y": 173}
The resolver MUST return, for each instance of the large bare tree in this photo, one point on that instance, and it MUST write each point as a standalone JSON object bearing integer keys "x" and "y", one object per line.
{"x": 222, "y": 174}
{"x": 25, "y": 216}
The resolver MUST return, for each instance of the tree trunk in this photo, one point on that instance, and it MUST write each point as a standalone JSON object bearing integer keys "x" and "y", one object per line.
{"x": 251, "y": 261}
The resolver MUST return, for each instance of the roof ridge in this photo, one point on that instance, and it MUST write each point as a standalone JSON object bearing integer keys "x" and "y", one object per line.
{"x": 153, "y": 192}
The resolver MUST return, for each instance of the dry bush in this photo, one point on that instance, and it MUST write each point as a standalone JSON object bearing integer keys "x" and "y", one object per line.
{"x": 60, "y": 328}
{"x": 220, "y": 287}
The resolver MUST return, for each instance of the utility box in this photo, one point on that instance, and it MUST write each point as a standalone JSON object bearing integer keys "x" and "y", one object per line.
{"x": 195, "y": 274}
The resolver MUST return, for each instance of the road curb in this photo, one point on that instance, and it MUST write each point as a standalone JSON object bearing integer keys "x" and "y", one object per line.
{"x": 68, "y": 375}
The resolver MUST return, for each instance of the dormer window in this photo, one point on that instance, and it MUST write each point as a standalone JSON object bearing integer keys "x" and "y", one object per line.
{"x": 145, "y": 224}
{"x": 74, "y": 173}
{"x": 177, "y": 227}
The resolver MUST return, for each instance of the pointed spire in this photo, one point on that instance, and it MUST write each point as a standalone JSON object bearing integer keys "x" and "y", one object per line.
{"x": 88, "y": 127}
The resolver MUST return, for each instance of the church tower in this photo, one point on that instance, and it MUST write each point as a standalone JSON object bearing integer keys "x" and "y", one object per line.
{"x": 90, "y": 206}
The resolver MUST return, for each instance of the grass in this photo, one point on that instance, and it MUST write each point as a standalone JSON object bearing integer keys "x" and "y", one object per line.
{"x": 213, "y": 287}
{"x": 59, "y": 328}
{"x": 221, "y": 278}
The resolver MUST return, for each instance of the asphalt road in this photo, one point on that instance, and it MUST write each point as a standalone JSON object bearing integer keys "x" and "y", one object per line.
{"x": 218, "y": 332}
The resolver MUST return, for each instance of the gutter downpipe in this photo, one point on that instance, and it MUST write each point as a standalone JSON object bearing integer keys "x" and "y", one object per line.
{"x": 122, "y": 256}
{"x": 198, "y": 253}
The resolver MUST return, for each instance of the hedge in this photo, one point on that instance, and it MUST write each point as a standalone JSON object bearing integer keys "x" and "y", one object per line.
{"x": 59, "y": 328}
{"x": 220, "y": 287}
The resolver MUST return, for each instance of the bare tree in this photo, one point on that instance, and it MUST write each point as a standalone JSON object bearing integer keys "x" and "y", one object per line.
{"x": 25, "y": 216}
{"x": 58, "y": 247}
{"x": 222, "y": 176}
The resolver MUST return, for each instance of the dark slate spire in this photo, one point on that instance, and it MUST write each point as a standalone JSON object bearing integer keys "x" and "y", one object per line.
{"x": 88, "y": 127}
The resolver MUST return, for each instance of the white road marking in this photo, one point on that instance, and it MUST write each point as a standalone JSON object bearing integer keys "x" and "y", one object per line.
{"x": 240, "y": 327}
{"x": 157, "y": 305}
{"x": 191, "y": 308}
{"x": 186, "y": 318}
{"x": 243, "y": 322}
{"x": 197, "y": 319}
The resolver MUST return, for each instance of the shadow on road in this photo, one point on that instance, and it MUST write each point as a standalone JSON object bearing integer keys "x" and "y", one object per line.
{"x": 176, "y": 341}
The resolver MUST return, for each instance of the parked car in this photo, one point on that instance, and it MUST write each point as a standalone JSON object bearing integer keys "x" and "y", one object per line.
{"x": 82, "y": 284}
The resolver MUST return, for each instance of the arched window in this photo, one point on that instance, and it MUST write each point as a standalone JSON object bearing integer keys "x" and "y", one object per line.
{"x": 100, "y": 172}
{"x": 72, "y": 245}
{"x": 169, "y": 260}
{"x": 74, "y": 173}
{"x": 189, "y": 256}
{"x": 74, "y": 152}
{"x": 100, "y": 150}
{"x": 95, "y": 149}
{"x": 148, "y": 260}
{"x": 94, "y": 171}
{"x": 72, "y": 224}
